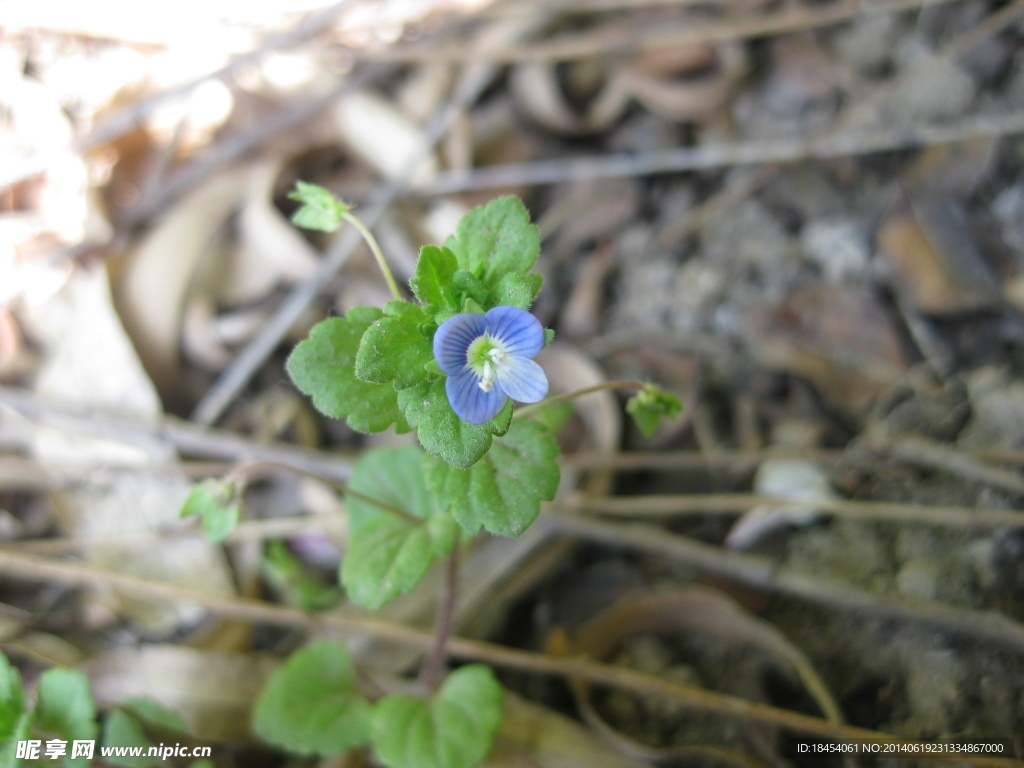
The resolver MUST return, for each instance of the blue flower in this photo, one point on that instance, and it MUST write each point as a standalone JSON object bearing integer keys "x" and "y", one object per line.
{"x": 487, "y": 359}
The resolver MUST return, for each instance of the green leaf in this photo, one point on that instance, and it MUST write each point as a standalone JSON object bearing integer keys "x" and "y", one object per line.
{"x": 433, "y": 282}
{"x": 287, "y": 573}
{"x": 650, "y": 405}
{"x": 323, "y": 367}
{"x": 311, "y": 705}
{"x": 516, "y": 290}
{"x": 320, "y": 209}
{"x": 123, "y": 730}
{"x": 441, "y": 432}
{"x": 503, "y": 491}
{"x": 9, "y": 747}
{"x": 395, "y": 349}
{"x": 496, "y": 239}
{"x": 454, "y": 730}
{"x": 392, "y": 476}
{"x": 549, "y": 336}
{"x": 218, "y": 504}
{"x": 389, "y": 553}
{"x": 12, "y": 698}
{"x": 66, "y": 708}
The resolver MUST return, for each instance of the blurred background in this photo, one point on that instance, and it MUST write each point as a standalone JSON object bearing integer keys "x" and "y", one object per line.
{"x": 805, "y": 217}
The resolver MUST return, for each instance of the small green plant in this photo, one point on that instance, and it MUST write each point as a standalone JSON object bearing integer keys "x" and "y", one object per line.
{"x": 60, "y": 724}
{"x": 448, "y": 363}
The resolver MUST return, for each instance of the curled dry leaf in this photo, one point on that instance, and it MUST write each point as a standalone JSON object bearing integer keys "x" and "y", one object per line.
{"x": 572, "y": 98}
{"x": 270, "y": 249}
{"x": 688, "y": 611}
{"x": 159, "y": 271}
{"x": 186, "y": 266}
{"x": 685, "y": 82}
{"x": 384, "y": 137}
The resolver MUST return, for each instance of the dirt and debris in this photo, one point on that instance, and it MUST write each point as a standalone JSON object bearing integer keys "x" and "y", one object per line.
{"x": 806, "y": 217}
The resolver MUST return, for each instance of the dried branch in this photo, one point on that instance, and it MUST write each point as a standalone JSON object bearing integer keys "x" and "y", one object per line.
{"x": 668, "y": 506}
{"x": 787, "y": 149}
{"x": 30, "y": 567}
{"x": 763, "y": 574}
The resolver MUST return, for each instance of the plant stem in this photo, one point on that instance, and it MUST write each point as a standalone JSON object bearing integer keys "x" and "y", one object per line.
{"x": 635, "y": 385}
{"x": 377, "y": 254}
{"x": 430, "y": 676}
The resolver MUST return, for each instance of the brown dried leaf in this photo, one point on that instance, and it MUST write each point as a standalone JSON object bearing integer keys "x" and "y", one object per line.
{"x": 937, "y": 261}
{"x": 840, "y": 339}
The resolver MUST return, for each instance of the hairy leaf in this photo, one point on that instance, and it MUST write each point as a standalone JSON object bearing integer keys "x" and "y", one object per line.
{"x": 395, "y": 348}
{"x": 503, "y": 491}
{"x": 496, "y": 239}
{"x": 444, "y": 434}
{"x": 323, "y": 367}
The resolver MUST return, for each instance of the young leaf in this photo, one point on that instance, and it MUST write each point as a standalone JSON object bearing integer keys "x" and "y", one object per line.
{"x": 310, "y": 705}
{"x": 123, "y": 730}
{"x": 496, "y": 239}
{"x": 433, "y": 282}
{"x": 395, "y": 349}
{"x": 287, "y": 573}
{"x": 66, "y": 708}
{"x": 218, "y": 505}
{"x": 389, "y": 553}
{"x": 650, "y": 405}
{"x": 503, "y": 491}
{"x": 320, "y": 209}
{"x": 454, "y": 730}
{"x": 444, "y": 434}
{"x": 323, "y": 367}
{"x": 515, "y": 290}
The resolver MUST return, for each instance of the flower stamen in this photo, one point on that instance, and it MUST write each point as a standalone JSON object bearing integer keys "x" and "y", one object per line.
{"x": 489, "y": 376}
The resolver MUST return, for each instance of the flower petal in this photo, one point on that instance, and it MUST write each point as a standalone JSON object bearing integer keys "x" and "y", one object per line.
{"x": 520, "y": 333}
{"x": 471, "y": 403}
{"x": 452, "y": 340}
{"x": 523, "y": 380}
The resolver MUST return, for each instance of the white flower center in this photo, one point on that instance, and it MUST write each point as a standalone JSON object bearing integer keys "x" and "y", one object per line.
{"x": 490, "y": 373}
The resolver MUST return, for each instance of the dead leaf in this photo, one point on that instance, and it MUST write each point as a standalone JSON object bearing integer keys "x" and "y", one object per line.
{"x": 213, "y": 691}
{"x": 156, "y": 275}
{"x": 840, "y": 339}
{"x": 90, "y": 362}
{"x": 937, "y": 261}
